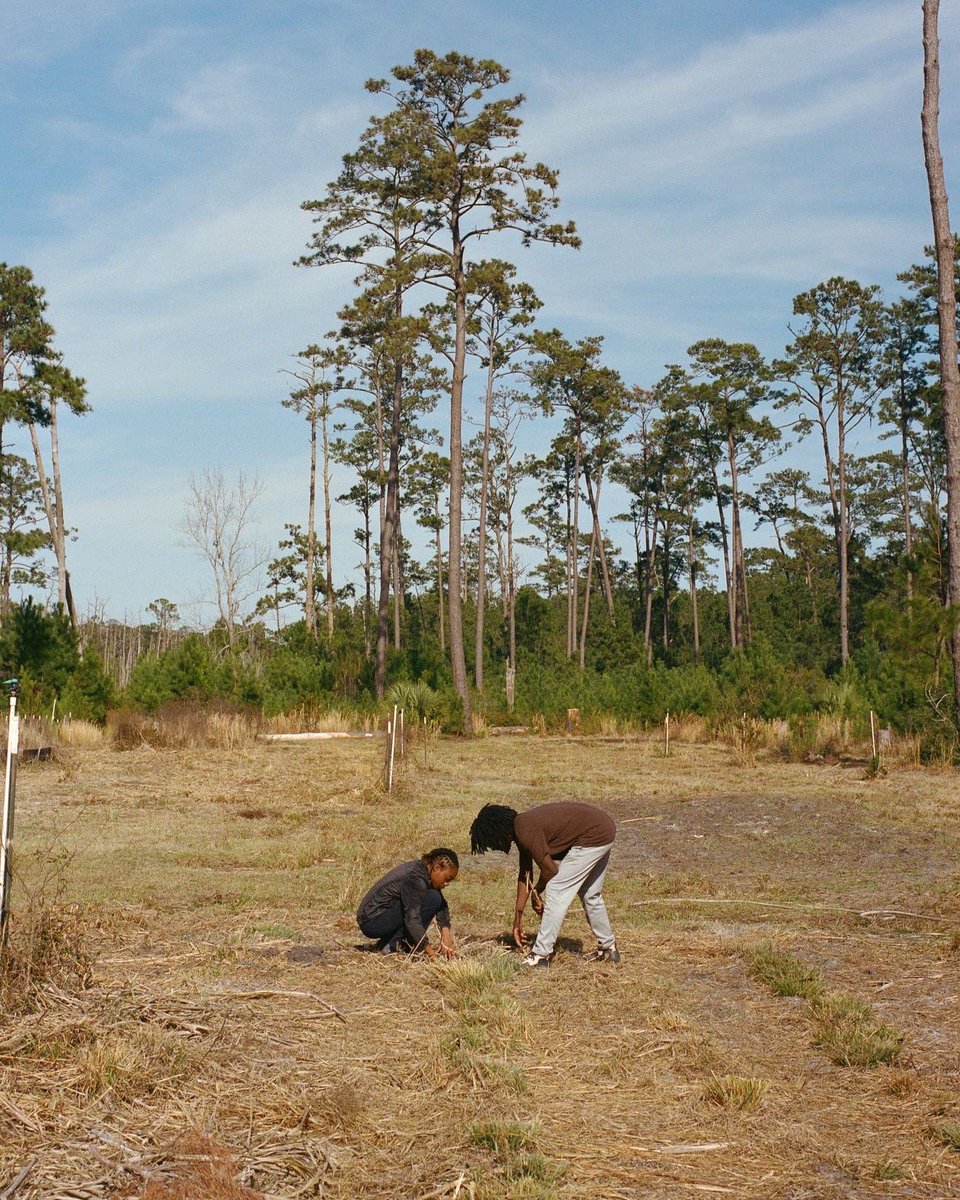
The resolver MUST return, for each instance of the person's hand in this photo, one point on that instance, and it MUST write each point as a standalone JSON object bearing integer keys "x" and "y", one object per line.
{"x": 518, "y": 936}
{"x": 447, "y": 947}
{"x": 536, "y": 903}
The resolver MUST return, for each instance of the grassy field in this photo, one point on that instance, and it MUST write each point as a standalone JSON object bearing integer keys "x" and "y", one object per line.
{"x": 785, "y": 1022}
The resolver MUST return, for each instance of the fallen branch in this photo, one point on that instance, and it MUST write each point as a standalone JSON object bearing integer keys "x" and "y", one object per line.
{"x": 685, "y": 1148}
{"x": 269, "y": 994}
{"x": 12, "y": 1189}
{"x": 856, "y": 912}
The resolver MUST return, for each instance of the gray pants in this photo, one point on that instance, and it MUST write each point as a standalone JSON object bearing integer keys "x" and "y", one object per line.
{"x": 581, "y": 873}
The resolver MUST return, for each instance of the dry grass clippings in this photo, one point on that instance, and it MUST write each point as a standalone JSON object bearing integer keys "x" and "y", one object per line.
{"x": 204, "y": 1170}
{"x": 197, "y": 1011}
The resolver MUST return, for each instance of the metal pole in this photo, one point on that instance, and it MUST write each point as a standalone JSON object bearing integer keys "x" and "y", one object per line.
{"x": 9, "y": 800}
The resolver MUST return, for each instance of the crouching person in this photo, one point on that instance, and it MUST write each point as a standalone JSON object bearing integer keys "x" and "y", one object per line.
{"x": 570, "y": 843}
{"x": 400, "y": 906}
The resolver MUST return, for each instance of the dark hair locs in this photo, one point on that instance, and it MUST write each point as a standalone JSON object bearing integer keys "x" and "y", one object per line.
{"x": 443, "y": 856}
{"x": 492, "y": 829}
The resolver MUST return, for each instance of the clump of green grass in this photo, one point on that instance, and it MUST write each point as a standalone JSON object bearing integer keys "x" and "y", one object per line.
{"x": 851, "y": 1036}
{"x": 491, "y": 1023}
{"x": 785, "y": 975}
{"x": 886, "y": 1168}
{"x": 525, "y": 1174}
{"x": 742, "y": 1093}
{"x": 949, "y": 1134}
{"x": 503, "y": 1138}
{"x": 846, "y": 1028}
{"x": 468, "y": 981}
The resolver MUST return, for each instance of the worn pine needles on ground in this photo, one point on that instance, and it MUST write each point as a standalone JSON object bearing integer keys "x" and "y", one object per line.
{"x": 188, "y": 1012}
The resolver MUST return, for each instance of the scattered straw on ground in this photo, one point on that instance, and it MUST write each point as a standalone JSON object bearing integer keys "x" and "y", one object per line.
{"x": 234, "y": 1037}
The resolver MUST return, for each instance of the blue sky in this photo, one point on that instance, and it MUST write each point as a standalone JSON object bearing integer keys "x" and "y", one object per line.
{"x": 718, "y": 157}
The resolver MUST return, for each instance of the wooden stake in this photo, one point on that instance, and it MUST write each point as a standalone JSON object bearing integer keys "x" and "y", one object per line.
{"x": 873, "y": 733}
{"x": 666, "y": 735}
{"x": 424, "y": 741}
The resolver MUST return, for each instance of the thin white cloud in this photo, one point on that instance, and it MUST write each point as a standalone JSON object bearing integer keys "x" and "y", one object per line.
{"x": 761, "y": 66}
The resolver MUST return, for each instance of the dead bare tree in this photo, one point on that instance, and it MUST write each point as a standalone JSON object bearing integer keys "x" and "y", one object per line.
{"x": 946, "y": 314}
{"x": 218, "y": 522}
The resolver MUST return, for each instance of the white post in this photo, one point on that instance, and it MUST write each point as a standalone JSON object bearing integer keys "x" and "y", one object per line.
{"x": 392, "y": 736}
{"x": 9, "y": 800}
{"x": 666, "y": 735}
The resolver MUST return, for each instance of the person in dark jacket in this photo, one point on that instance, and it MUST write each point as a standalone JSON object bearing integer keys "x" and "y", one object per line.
{"x": 570, "y": 842}
{"x": 400, "y": 906}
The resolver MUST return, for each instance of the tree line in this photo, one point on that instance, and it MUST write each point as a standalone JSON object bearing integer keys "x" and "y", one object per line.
{"x": 859, "y": 544}
{"x": 852, "y": 573}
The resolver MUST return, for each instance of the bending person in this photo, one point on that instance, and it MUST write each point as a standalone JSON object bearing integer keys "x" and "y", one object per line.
{"x": 570, "y": 843}
{"x": 400, "y": 906}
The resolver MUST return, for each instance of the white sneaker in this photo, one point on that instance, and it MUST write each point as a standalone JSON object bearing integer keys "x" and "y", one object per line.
{"x": 537, "y": 960}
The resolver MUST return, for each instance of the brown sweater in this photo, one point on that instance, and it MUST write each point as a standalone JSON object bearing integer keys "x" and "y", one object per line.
{"x": 548, "y": 831}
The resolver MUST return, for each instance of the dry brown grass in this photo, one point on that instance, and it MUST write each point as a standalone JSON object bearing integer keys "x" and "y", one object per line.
{"x": 184, "y": 725}
{"x": 80, "y": 735}
{"x": 315, "y": 720}
{"x": 229, "y": 996}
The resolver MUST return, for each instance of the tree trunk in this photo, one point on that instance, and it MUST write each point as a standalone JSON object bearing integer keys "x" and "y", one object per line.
{"x": 727, "y": 574}
{"x": 367, "y": 581}
{"x": 328, "y": 534}
{"x": 458, "y": 663}
{"x": 740, "y": 601}
{"x": 587, "y": 588}
{"x": 387, "y": 535}
{"x": 905, "y": 486}
{"x": 571, "y": 572}
{"x": 482, "y": 530}
{"x": 666, "y": 589}
{"x": 594, "y": 501}
{"x": 843, "y": 544}
{"x": 310, "y": 603}
{"x": 946, "y": 313}
{"x": 443, "y": 636}
{"x": 575, "y": 544}
{"x": 397, "y": 574}
{"x": 692, "y": 572}
{"x": 52, "y": 508}
{"x": 512, "y": 597}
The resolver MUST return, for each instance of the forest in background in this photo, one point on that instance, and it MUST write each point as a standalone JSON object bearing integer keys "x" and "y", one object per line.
{"x": 682, "y": 551}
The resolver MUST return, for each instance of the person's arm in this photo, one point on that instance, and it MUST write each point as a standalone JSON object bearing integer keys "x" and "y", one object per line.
{"x": 524, "y": 888}
{"x": 447, "y": 946}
